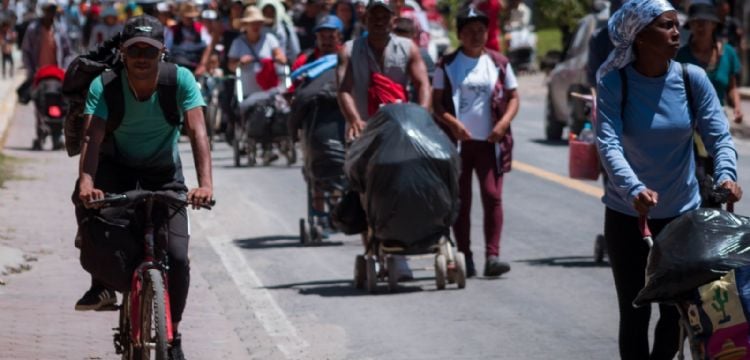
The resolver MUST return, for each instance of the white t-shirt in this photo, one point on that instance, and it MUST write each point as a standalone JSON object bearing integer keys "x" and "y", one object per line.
{"x": 476, "y": 78}
{"x": 263, "y": 49}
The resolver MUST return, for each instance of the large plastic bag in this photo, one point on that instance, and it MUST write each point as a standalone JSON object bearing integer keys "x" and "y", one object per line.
{"x": 316, "y": 112}
{"x": 693, "y": 250}
{"x": 407, "y": 169}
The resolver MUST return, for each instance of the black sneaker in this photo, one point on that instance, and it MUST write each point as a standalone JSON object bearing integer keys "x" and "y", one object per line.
{"x": 97, "y": 299}
{"x": 175, "y": 349}
{"x": 493, "y": 267}
{"x": 471, "y": 270}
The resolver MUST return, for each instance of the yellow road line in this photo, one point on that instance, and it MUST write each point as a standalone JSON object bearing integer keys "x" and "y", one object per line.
{"x": 588, "y": 189}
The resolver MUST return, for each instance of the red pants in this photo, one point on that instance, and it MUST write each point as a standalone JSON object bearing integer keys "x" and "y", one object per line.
{"x": 480, "y": 156}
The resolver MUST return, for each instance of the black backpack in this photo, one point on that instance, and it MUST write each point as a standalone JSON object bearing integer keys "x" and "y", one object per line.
{"x": 105, "y": 61}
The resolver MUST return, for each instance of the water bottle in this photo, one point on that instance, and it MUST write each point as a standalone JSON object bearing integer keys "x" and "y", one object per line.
{"x": 587, "y": 134}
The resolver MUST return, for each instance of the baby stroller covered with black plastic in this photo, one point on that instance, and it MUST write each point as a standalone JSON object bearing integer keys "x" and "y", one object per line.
{"x": 318, "y": 118}
{"x": 262, "y": 123}
{"x": 700, "y": 263}
{"x": 49, "y": 106}
{"x": 406, "y": 171}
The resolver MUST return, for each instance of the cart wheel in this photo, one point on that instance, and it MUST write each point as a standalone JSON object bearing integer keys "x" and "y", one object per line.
{"x": 360, "y": 272}
{"x": 292, "y": 154}
{"x": 600, "y": 248}
{"x": 460, "y": 270}
{"x": 236, "y": 150}
{"x": 441, "y": 271}
{"x": 372, "y": 274}
{"x": 302, "y": 232}
{"x": 392, "y": 274}
{"x": 316, "y": 233}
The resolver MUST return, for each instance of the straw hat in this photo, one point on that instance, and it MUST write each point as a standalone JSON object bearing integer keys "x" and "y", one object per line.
{"x": 252, "y": 14}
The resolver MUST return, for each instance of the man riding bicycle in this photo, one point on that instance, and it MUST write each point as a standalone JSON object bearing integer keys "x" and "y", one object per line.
{"x": 142, "y": 150}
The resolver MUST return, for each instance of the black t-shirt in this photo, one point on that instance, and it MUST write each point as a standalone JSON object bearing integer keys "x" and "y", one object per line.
{"x": 226, "y": 40}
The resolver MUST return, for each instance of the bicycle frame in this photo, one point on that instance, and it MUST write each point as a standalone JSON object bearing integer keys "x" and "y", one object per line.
{"x": 150, "y": 261}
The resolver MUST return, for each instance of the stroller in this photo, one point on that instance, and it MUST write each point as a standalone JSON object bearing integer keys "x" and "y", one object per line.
{"x": 699, "y": 263}
{"x": 262, "y": 123}
{"x": 406, "y": 171}
{"x": 315, "y": 111}
{"x": 49, "y": 107}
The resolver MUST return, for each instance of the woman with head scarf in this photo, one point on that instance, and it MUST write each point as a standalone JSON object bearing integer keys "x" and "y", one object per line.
{"x": 645, "y": 139}
{"x": 280, "y": 24}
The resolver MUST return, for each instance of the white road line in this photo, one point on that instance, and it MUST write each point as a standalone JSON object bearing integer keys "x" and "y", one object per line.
{"x": 268, "y": 312}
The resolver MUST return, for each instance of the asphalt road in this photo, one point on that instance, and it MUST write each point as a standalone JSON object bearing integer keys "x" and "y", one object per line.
{"x": 278, "y": 299}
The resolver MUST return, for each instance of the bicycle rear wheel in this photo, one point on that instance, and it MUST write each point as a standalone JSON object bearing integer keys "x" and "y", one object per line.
{"x": 153, "y": 317}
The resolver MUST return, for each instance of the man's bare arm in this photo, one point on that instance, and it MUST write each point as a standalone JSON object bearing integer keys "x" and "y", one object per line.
{"x": 345, "y": 80}
{"x": 419, "y": 78}
{"x": 196, "y": 131}
{"x": 94, "y": 131}
{"x": 346, "y": 86}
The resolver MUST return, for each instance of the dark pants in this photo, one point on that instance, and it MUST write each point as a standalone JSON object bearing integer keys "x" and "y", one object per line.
{"x": 479, "y": 157}
{"x": 113, "y": 177}
{"x": 8, "y": 59}
{"x": 627, "y": 255}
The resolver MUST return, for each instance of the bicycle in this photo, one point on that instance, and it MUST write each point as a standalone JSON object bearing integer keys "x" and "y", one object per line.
{"x": 145, "y": 321}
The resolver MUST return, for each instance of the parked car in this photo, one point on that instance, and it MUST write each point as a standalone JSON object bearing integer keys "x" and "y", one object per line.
{"x": 569, "y": 75}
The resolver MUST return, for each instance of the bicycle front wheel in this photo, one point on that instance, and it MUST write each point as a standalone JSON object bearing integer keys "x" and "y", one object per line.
{"x": 153, "y": 316}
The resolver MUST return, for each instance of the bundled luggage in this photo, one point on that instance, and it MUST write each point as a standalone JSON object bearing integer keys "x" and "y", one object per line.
{"x": 111, "y": 247}
{"x": 407, "y": 170}
{"x": 700, "y": 263}
{"x": 693, "y": 250}
{"x": 316, "y": 112}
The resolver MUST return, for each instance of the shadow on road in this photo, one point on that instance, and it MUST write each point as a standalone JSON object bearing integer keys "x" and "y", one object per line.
{"x": 550, "y": 142}
{"x": 279, "y": 241}
{"x": 345, "y": 288}
{"x": 566, "y": 261}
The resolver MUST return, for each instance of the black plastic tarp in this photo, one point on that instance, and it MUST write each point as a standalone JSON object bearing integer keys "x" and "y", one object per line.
{"x": 316, "y": 112}
{"x": 407, "y": 169}
{"x": 694, "y": 249}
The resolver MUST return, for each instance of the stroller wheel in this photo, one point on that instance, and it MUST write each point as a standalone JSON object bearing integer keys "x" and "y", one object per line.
{"x": 36, "y": 144}
{"x": 237, "y": 155}
{"x": 360, "y": 272}
{"x": 372, "y": 274}
{"x": 291, "y": 154}
{"x": 600, "y": 248}
{"x": 392, "y": 274}
{"x": 460, "y": 270}
{"x": 302, "y": 232}
{"x": 317, "y": 233}
{"x": 441, "y": 271}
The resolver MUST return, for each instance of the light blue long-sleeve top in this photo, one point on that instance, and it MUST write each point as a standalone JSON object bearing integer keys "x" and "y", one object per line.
{"x": 652, "y": 146}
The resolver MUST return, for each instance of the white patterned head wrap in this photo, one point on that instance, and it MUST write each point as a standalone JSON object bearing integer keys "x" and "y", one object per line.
{"x": 624, "y": 25}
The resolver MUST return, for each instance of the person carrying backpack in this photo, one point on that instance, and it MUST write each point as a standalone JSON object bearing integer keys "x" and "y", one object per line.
{"x": 648, "y": 109}
{"x": 133, "y": 118}
{"x": 475, "y": 97}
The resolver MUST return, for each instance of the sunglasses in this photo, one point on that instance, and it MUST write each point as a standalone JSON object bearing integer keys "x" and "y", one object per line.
{"x": 149, "y": 52}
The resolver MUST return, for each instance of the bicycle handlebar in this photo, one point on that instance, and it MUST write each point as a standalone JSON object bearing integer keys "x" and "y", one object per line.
{"x": 137, "y": 196}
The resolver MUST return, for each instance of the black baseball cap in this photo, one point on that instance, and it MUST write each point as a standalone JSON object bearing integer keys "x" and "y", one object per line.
{"x": 470, "y": 14}
{"x": 701, "y": 11}
{"x": 386, "y": 4}
{"x": 146, "y": 29}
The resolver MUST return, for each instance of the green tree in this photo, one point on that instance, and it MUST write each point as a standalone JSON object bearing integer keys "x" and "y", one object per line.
{"x": 563, "y": 14}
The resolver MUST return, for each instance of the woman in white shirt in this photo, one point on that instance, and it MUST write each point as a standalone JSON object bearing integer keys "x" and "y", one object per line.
{"x": 475, "y": 98}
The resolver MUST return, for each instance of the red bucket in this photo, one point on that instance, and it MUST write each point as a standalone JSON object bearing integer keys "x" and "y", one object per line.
{"x": 583, "y": 160}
